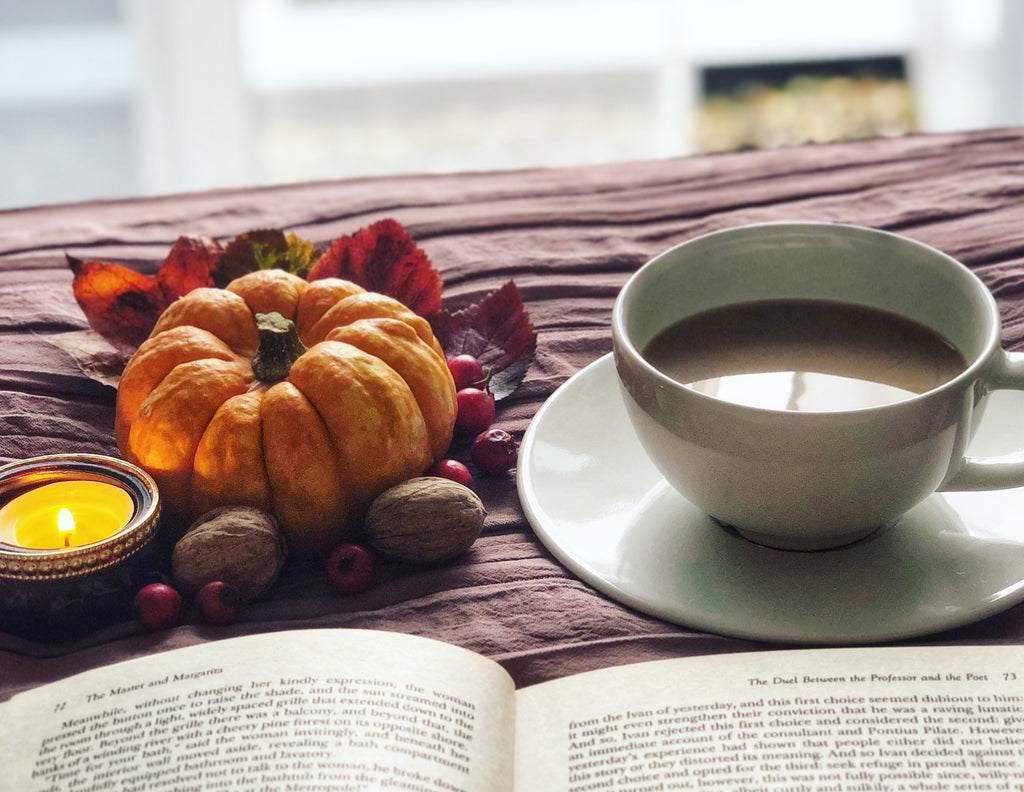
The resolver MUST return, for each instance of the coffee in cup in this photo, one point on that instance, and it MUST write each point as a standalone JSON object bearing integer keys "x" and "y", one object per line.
{"x": 806, "y": 355}
{"x": 806, "y": 383}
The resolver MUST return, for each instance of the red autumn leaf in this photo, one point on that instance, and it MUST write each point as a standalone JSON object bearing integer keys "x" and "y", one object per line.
{"x": 383, "y": 258}
{"x": 496, "y": 331}
{"x": 121, "y": 304}
{"x": 189, "y": 265}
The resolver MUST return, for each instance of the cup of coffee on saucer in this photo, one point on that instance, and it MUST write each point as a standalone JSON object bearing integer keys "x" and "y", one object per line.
{"x": 807, "y": 383}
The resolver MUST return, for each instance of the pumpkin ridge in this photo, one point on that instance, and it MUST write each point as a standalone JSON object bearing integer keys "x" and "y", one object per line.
{"x": 371, "y": 305}
{"x": 318, "y": 298}
{"x": 154, "y": 360}
{"x": 166, "y": 432}
{"x": 265, "y": 291}
{"x": 378, "y": 443}
{"x": 425, "y": 372}
{"x": 229, "y": 450}
{"x": 219, "y": 312}
{"x": 310, "y": 506}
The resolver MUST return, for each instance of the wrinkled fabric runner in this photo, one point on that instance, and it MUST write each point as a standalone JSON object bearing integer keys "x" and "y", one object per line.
{"x": 569, "y": 238}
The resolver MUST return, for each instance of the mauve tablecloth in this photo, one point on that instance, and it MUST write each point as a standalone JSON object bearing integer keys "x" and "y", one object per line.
{"x": 569, "y": 238}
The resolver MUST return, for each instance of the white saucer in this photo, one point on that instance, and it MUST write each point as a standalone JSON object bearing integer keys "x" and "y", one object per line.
{"x": 602, "y": 509}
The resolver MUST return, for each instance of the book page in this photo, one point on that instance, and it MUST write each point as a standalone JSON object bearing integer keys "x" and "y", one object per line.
{"x": 848, "y": 720}
{"x": 339, "y": 710}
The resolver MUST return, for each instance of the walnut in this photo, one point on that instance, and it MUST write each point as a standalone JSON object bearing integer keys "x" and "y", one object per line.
{"x": 425, "y": 520}
{"x": 239, "y": 545}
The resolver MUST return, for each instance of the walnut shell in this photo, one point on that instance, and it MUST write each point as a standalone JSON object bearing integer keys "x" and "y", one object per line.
{"x": 239, "y": 545}
{"x": 425, "y": 520}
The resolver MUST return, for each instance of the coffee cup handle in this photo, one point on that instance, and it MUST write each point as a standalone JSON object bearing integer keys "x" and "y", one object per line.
{"x": 1002, "y": 472}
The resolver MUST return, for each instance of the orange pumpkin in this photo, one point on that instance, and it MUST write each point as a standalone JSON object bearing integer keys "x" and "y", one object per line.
{"x": 306, "y": 399}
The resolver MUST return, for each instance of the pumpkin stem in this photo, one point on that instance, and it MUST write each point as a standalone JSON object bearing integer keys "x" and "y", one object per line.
{"x": 279, "y": 347}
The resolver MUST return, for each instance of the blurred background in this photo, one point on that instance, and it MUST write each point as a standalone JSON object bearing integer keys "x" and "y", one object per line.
{"x": 119, "y": 98}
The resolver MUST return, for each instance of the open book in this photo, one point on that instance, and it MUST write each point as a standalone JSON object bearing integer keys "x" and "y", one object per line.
{"x": 347, "y": 710}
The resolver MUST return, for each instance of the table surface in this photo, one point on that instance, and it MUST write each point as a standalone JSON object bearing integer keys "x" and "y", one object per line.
{"x": 569, "y": 238}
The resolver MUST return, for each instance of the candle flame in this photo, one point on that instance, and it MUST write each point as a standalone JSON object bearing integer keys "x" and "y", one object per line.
{"x": 65, "y": 525}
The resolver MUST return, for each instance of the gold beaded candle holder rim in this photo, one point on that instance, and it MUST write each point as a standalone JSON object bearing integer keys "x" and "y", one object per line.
{"x": 27, "y": 564}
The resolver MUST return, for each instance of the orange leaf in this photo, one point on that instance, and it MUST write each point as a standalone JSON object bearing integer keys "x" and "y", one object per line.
{"x": 121, "y": 304}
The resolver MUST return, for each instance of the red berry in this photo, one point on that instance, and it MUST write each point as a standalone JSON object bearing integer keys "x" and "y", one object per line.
{"x": 350, "y": 569}
{"x": 451, "y": 469}
{"x": 218, "y": 602}
{"x": 466, "y": 371}
{"x": 474, "y": 410}
{"x": 158, "y": 606}
{"x": 494, "y": 451}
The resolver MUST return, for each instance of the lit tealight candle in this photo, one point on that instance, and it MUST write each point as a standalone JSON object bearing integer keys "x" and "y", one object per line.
{"x": 65, "y": 514}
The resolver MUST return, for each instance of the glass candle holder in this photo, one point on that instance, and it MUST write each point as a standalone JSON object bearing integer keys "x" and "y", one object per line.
{"x": 76, "y": 537}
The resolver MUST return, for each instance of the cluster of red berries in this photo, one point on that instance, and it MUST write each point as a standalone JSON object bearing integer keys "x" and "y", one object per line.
{"x": 159, "y": 605}
{"x": 493, "y": 451}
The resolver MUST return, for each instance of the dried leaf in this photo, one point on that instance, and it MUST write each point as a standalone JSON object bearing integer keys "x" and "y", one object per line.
{"x": 497, "y": 332}
{"x": 300, "y": 256}
{"x": 121, "y": 304}
{"x": 265, "y": 248}
{"x": 189, "y": 265}
{"x": 383, "y": 258}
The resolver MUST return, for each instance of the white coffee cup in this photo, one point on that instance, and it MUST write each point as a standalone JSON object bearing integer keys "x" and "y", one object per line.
{"x": 813, "y": 480}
